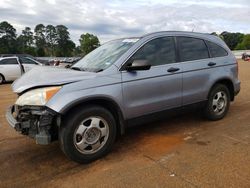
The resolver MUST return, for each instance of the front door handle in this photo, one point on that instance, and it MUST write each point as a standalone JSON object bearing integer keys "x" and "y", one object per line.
{"x": 210, "y": 64}
{"x": 173, "y": 69}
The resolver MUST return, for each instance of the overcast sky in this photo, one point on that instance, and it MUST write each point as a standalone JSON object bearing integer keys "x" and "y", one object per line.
{"x": 113, "y": 19}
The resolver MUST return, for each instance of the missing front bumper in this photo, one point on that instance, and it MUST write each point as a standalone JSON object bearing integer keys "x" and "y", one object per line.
{"x": 36, "y": 122}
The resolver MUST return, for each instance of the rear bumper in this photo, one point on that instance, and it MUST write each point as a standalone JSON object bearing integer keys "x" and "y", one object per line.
{"x": 37, "y": 123}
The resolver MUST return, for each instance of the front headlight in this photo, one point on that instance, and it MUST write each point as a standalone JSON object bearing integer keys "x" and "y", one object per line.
{"x": 37, "y": 96}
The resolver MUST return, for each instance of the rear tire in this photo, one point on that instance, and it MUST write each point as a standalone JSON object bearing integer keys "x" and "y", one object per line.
{"x": 87, "y": 134}
{"x": 218, "y": 103}
{"x": 1, "y": 79}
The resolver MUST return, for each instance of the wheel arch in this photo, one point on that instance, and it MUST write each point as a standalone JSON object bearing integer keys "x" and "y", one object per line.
{"x": 228, "y": 83}
{"x": 104, "y": 102}
{"x": 2, "y": 76}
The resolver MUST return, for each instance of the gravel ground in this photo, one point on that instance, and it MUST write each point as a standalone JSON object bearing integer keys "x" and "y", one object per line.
{"x": 177, "y": 152}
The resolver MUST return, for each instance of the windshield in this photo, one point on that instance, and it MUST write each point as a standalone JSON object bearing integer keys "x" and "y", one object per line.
{"x": 104, "y": 56}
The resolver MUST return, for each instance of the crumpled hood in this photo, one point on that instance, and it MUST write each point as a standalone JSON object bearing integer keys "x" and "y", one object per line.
{"x": 49, "y": 76}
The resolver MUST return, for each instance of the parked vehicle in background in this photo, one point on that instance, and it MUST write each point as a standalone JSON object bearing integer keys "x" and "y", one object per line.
{"x": 13, "y": 67}
{"x": 17, "y": 55}
{"x": 65, "y": 61}
{"x": 121, "y": 83}
{"x": 28, "y": 63}
{"x": 245, "y": 57}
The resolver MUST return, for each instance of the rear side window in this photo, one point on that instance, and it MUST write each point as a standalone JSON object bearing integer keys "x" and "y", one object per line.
{"x": 216, "y": 50}
{"x": 11, "y": 61}
{"x": 158, "y": 51}
{"x": 192, "y": 49}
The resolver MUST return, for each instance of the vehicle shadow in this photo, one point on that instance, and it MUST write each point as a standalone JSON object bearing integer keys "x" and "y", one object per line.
{"x": 173, "y": 127}
{"x": 6, "y": 83}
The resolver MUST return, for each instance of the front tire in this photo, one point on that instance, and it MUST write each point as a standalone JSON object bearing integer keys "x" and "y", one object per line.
{"x": 87, "y": 134}
{"x": 218, "y": 103}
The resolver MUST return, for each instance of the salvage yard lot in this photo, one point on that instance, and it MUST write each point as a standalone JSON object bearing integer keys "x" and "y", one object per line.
{"x": 177, "y": 152}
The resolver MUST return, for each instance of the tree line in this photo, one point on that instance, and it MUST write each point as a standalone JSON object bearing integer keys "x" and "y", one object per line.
{"x": 235, "y": 41}
{"x": 55, "y": 41}
{"x": 44, "y": 41}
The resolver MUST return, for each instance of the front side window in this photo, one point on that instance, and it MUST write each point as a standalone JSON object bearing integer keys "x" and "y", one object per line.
{"x": 158, "y": 51}
{"x": 25, "y": 60}
{"x": 9, "y": 61}
{"x": 192, "y": 49}
{"x": 216, "y": 50}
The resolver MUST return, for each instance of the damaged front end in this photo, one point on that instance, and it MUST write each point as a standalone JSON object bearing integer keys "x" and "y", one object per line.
{"x": 38, "y": 122}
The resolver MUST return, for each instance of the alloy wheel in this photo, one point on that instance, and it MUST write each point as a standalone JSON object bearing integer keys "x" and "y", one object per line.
{"x": 91, "y": 135}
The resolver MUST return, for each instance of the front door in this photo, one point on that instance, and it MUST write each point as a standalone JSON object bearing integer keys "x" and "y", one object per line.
{"x": 27, "y": 63}
{"x": 156, "y": 89}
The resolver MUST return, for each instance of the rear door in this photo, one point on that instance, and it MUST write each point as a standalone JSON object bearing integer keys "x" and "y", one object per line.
{"x": 198, "y": 68}
{"x": 10, "y": 68}
{"x": 158, "y": 88}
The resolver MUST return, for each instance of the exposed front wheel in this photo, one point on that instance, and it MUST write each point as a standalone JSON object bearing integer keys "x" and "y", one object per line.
{"x": 87, "y": 134}
{"x": 218, "y": 102}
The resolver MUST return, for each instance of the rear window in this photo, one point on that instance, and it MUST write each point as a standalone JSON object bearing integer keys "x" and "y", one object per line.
{"x": 192, "y": 49}
{"x": 9, "y": 61}
{"x": 216, "y": 50}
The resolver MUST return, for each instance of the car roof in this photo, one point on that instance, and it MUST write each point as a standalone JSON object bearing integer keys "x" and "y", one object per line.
{"x": 205, "y": 36}
{"x": 16, "y": 55}
{"x": 1, "y": 58}
{"x": 175, "y": 32}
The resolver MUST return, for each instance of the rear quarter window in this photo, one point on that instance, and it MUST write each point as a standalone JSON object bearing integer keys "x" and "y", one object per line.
{"x": 192, "y": 49}
{"x": 216, "y": 50}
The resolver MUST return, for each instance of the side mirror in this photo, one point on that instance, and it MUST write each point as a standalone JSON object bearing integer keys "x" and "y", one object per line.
{"x": 138, "y": 65}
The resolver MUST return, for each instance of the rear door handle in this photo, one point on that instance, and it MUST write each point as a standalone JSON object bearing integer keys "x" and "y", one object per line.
{"x": 173, "y": 69}
{"x": 210, "y": 64}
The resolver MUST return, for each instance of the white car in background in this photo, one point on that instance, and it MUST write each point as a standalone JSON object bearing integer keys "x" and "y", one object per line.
{"x": 12, "y": 68}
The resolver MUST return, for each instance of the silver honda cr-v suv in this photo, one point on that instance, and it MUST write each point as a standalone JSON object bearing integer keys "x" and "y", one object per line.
{"x": 123, "y": 82}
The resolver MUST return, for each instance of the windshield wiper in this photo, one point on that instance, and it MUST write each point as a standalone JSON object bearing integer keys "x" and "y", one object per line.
{"x": 76, "y": 68}
{"x": 98, "y": 70}
{"x": 87, "y": 70}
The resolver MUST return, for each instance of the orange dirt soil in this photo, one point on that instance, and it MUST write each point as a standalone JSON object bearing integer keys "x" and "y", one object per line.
{"x": 181, "y": 151}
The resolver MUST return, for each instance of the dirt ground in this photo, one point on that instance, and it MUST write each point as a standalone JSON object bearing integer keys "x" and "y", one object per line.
{"x": 177, "y": 152}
